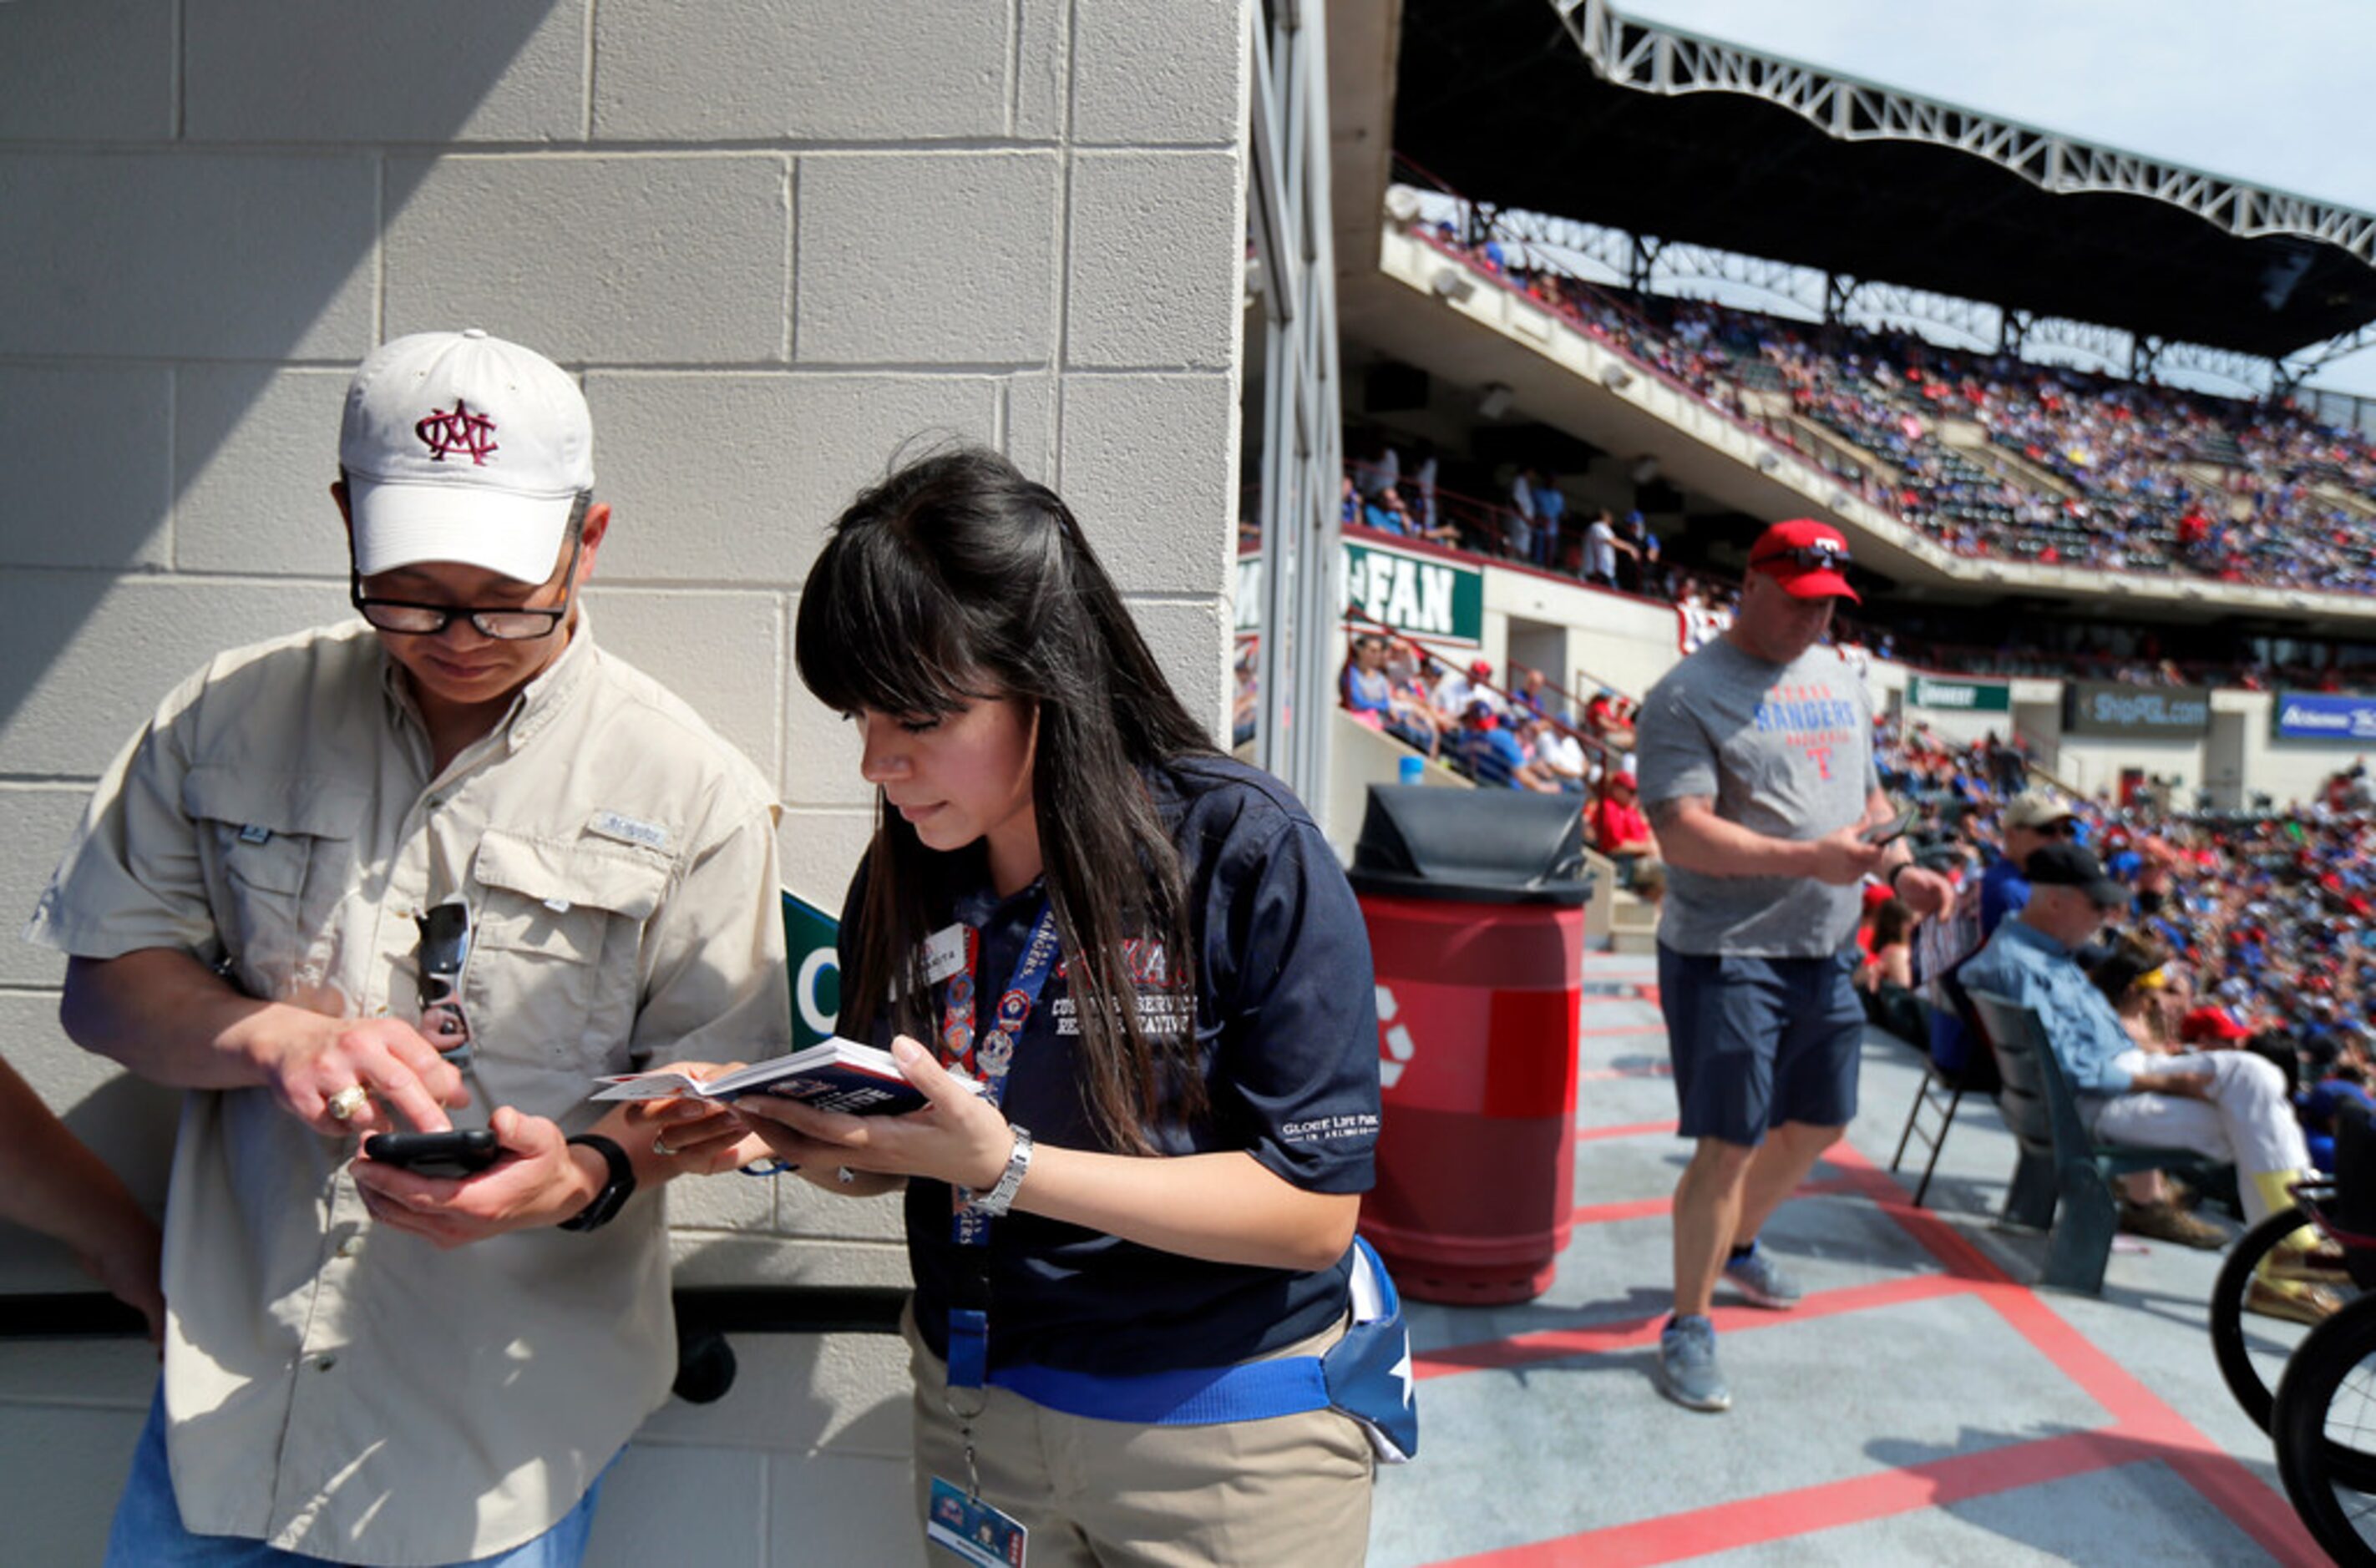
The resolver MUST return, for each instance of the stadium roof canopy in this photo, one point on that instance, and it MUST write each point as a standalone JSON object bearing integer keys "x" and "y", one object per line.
{"x": 1564, "y": 107}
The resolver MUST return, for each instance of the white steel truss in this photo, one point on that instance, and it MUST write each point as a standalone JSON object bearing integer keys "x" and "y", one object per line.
{"x": 1663, "y": 61}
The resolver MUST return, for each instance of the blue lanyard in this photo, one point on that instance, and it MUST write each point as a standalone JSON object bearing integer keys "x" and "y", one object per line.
{"x": 969, "y": 1326}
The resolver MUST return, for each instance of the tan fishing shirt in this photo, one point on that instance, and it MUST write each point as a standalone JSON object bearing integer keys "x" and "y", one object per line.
{"x": 331, "y": 1386}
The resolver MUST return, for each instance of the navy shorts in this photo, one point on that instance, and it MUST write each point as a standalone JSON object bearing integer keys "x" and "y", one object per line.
{"x": 1759, "y": 1041}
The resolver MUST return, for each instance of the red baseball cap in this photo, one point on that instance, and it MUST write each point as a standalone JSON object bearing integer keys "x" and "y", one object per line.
{"x": 1806, "y": 557}
{"x": 2211, "y": 1024}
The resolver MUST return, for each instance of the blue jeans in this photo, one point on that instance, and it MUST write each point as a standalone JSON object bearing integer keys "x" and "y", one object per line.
{"x": 149, "y": 1532}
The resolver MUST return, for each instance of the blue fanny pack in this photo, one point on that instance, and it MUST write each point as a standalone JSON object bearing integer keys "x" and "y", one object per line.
{"x": 1366, "y": 1375}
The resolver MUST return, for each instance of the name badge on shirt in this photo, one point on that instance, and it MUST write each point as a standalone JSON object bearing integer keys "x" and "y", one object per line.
{"x": 978, "y": 1533}
{"x": 945, "y": 954}
{"x": 628, "y": 829}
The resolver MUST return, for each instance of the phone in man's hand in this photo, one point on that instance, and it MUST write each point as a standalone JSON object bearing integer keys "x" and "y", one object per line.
{"x": 458, "y": 1152}
{"x": 1890, "y": 831}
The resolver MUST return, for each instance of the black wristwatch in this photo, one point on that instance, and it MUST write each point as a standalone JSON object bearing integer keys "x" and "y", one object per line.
{"x": 615, "y": 1192}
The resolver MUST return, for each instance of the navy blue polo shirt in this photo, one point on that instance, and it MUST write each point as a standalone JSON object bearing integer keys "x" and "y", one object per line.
{"x": 1285, "y": 1014}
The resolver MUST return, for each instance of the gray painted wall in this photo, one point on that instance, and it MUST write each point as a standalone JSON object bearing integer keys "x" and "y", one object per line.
{"x": 778, "y": 238}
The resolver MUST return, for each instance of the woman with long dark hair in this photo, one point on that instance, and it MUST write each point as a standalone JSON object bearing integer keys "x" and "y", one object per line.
{"x": 1145, "y": 954}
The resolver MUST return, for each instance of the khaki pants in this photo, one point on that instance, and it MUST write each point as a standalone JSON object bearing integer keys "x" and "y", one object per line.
{"x": 1103, "y": 1494}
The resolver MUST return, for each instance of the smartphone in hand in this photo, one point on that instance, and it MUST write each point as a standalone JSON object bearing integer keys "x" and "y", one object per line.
{"x": 1891, "y": 831}
{"x": 459, "y": 1152}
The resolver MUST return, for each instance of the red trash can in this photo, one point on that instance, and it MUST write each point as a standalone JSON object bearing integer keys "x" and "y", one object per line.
{"x": 1474, "y": 902}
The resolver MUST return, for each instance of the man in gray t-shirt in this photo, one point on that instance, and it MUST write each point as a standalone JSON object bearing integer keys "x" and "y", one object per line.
{"x": 1756, "y": 772}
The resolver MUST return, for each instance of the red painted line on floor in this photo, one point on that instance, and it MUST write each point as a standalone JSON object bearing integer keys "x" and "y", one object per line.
{"x": 1753, "y": 1521}
{"x": 1627, "y": 1130}
{"x": 2143, "y": 1428}
{"x": 2218, "y": 1476}
{"x": 1638, "y": 1333}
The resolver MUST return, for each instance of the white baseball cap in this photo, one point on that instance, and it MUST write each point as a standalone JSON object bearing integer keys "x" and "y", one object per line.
{"x": 459, "y": 447}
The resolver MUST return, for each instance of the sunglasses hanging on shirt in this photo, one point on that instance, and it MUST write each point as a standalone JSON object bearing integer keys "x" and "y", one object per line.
{"x": 445, "y": 949}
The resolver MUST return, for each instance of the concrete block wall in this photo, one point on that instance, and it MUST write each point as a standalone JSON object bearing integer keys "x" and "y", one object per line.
{"x": 777, "y": 238}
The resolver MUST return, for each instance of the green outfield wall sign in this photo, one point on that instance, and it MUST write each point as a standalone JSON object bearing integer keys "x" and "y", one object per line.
{"x": 1426, "y": 595}
{"x": 1960, "y": 696}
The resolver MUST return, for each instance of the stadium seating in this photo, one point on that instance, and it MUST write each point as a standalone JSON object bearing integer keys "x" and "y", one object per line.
{"x": 2000, "y": 457}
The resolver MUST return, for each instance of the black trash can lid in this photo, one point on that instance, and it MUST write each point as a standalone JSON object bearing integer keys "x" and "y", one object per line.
{"x": 1479, "y": 846}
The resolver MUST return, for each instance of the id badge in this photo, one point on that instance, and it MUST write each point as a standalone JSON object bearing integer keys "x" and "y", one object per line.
{"x": 978, "y": 1533}
{"x": 945, "y": 954}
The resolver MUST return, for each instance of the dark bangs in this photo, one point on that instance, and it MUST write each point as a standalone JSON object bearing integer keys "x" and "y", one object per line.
{"x": 879, "y": 629}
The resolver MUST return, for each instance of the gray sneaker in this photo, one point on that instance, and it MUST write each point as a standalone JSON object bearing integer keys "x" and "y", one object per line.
{"x": 1761, "y": 1281}
{"x": 1687, "y": 1371}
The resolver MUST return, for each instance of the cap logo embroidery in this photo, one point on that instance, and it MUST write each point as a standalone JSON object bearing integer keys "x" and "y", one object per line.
{"x": 458, "y": 431}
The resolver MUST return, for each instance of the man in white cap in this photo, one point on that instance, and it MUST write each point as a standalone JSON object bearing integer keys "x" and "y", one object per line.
{"x": 447, "y": 860}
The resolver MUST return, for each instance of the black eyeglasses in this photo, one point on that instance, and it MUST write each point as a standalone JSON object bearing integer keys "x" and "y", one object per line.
{"x": 507, "y": 625}
{"x": 444, "y": 948}
{"x": 2066, "y": 828}
{"x": 1821, "y": 556}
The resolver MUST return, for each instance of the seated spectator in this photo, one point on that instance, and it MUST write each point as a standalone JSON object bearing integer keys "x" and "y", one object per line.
{"x": 1532, "y": 773}
{"x": 1368, "y": 693}
{"x": 1454, "y": 693}
{"x": 2320, "y": 1104}
{"x": 1610, "y": 718}
{"x": 2226, "y": 1105}
{"x": 1533, "y": 694}
{"x": 1562, "y": 754}
{"x": 1886, "y": 978}
{"x": 2134, "y": 977}
{"x": 1488, "y": 752}
{"x": 1620, "y": 826}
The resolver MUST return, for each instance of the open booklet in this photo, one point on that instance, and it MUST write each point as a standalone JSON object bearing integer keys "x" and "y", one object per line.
{"x": 839, "y": 1075}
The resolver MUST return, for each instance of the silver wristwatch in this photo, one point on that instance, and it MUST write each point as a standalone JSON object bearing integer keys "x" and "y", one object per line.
{"x": 1001, "y": 1198}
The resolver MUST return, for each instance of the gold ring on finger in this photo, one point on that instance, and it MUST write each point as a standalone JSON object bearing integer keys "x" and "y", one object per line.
{"x": 349, "y": 1102}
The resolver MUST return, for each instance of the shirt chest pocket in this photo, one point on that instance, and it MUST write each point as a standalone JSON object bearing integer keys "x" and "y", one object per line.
{"x": 556, "y": 968}
{"x": 276, "y": 853}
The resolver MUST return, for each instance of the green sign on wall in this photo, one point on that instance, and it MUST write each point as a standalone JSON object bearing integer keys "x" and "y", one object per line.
{"x": 810, "y": 956}
{"x": 1426, "y": 595}
{"x": 1961, "y": 696}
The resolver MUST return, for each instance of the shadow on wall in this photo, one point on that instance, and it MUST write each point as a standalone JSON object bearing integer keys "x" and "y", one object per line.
{"x": 167, "y": 251}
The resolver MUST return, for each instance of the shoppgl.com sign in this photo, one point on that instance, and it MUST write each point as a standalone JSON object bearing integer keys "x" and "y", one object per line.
{"x": 2107, "y": 708}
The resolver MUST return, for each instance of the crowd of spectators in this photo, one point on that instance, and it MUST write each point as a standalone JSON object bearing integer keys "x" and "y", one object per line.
{"x": 1530, "y": 736}
{"x": 2267, "y": 920}
{"x": 2000, "y": 458}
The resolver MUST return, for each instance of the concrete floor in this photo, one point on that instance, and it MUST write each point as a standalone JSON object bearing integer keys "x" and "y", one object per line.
{"x": 1921, "y": 1406}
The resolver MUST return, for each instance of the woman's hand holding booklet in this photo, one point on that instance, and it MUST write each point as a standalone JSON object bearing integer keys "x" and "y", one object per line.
{"x": 839, "y": 1075}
